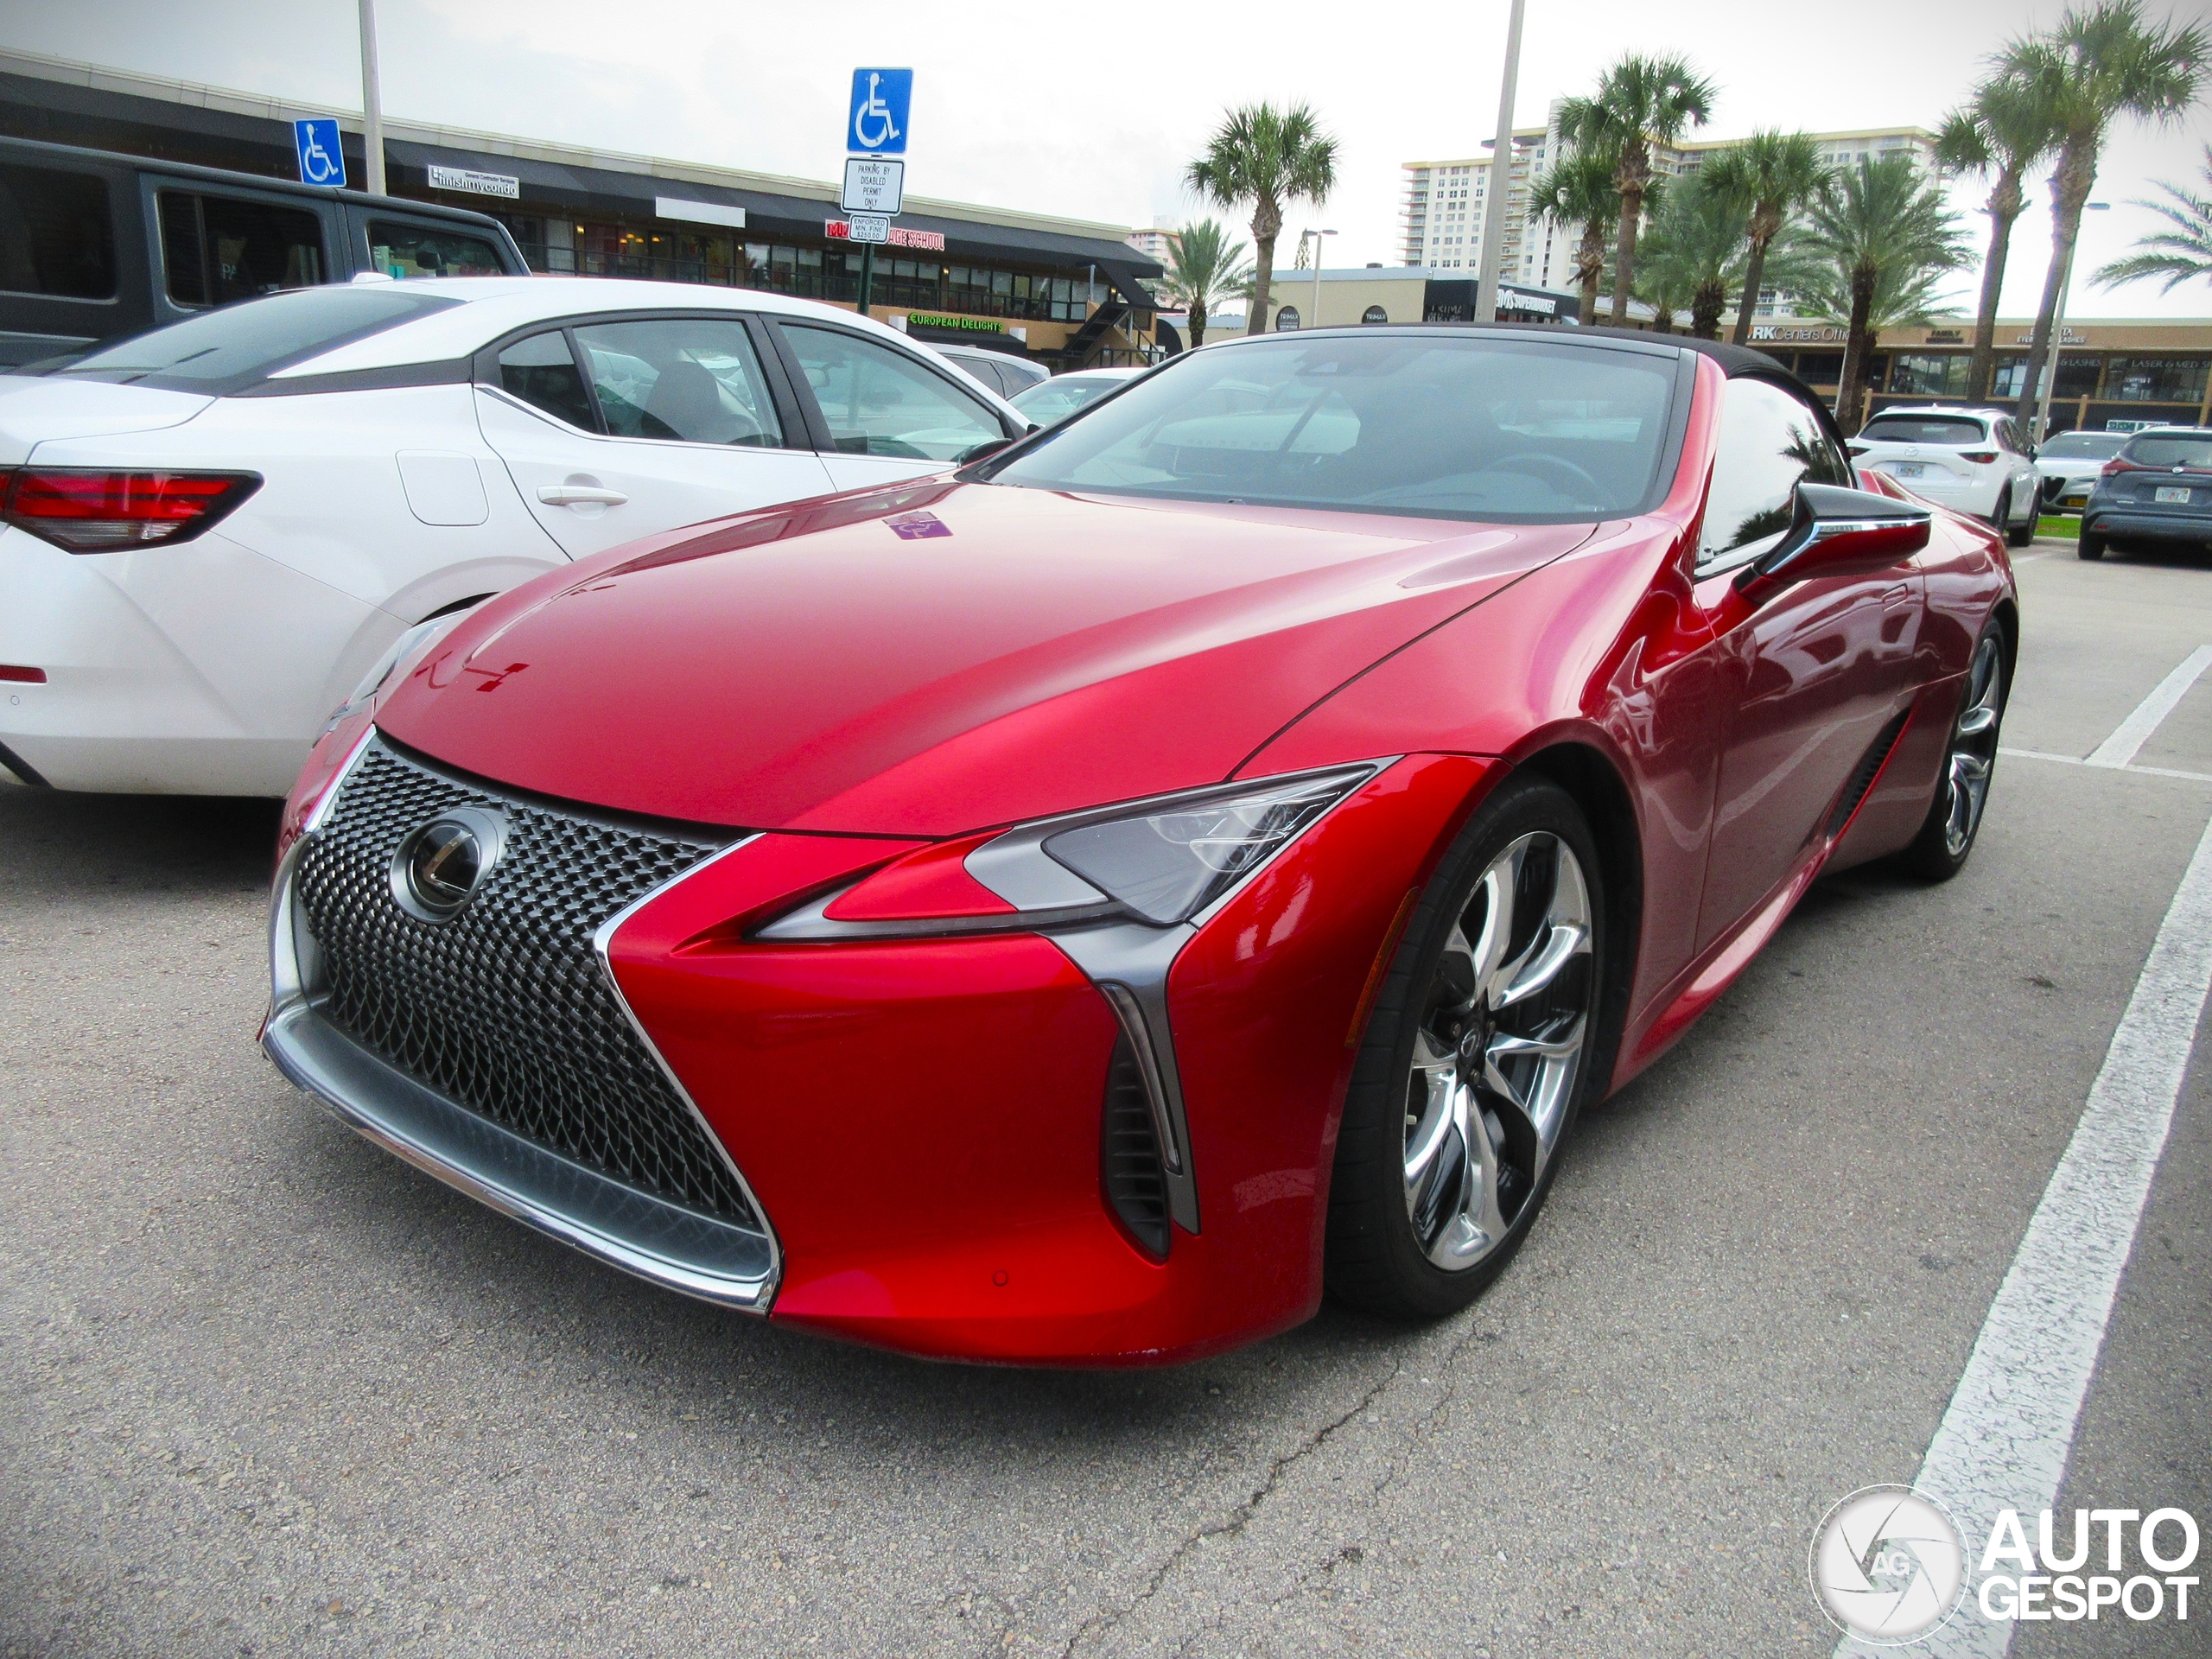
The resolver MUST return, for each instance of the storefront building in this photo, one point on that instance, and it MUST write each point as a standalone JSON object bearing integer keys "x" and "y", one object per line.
{"x": 2132, "y": 370}
{"x": 1068, "y": 292}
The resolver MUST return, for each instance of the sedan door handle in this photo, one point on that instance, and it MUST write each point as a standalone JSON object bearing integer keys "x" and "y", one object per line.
{"x": 579, "y": 495}
{"x": 1900, "y": 594}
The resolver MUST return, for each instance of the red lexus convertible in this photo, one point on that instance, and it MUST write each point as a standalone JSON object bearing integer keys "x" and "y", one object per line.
{"x": 1081, "y": 909}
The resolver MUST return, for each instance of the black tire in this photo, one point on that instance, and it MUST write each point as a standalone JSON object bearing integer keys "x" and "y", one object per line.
{"x": 2020, "y": 535}
{"x": 2001, "y": 516}
{"x": 1940, "y": 850}
{"x": 1375, "y": 1260}
{"x": 2089, "y": 546}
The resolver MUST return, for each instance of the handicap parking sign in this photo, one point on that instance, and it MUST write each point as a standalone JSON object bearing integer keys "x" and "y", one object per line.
{"x": 876, "y": 123}
{"x": 322, "y": 159}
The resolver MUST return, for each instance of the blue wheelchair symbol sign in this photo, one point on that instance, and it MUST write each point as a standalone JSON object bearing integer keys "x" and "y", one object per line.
{"x": 876, "y": 125}
{"x": 322, "y": 160}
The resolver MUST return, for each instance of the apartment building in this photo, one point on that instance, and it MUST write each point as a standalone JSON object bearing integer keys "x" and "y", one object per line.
{"x": 1442, "y": 202}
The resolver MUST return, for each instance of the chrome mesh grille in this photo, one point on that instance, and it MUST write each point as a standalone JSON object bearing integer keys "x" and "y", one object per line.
{"x": 505, "y": 1009}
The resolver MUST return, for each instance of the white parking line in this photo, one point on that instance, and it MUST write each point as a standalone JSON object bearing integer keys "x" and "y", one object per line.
{"x": 2132, "y": 732}
{"x": 2140, "y": 771}
{"x": 2004, "y": 1442}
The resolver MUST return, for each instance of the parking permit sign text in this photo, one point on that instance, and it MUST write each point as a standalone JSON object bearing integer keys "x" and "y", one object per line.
{"x": 873, "y": 186}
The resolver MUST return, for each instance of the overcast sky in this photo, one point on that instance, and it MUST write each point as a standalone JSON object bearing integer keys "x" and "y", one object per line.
{"x": 1091, "y": 111}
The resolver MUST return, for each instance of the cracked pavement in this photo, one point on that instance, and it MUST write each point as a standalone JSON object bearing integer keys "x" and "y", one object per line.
{"x": 271, "y": 1392}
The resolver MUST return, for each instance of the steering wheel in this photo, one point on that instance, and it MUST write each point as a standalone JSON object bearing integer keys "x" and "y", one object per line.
{"x": 1549, "y": 467}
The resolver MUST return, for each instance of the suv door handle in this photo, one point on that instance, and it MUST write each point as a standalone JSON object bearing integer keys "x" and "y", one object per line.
{"x": 579, "y": 495}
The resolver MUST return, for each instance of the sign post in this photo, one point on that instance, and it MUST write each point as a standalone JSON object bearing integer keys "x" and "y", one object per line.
{"x": 875, "y": 171}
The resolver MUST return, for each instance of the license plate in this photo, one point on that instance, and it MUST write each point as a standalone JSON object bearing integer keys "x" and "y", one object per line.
{"x": 2171, "y": 494}
{"x": 1907, "y": 468}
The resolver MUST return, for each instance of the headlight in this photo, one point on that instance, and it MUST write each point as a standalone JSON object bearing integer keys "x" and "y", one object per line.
{"x": 1160, "y": 861}
{"x": 405, "y": 652}
{"x": 1170, "y": 863}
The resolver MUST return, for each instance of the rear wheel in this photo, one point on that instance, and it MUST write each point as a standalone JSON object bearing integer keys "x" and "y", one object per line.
{"x": 1475, "y": 1061}
{"x": 2089, "y": 546}
{"x": 2000, "y": 518}
{"x": 1946, "y": 840}
{"x": 2021, "y": 534}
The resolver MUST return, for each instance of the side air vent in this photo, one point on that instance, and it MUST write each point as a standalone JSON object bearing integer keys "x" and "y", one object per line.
{"x": 1862, "y": 775}
{"x": 1128, "y": 1156}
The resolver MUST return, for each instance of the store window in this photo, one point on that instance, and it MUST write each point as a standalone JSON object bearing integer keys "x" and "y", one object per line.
{"x": 216, "y": 248}
{"x": 1929, "y": 374}
{"x": 1820, "y": 368}
{"x": 2156, "y": 380}
{"x": 405, "y": 250}
{"x": 878, "y": 401}
{"x": 56, "y": 237}
{"x": 694, "y": 379}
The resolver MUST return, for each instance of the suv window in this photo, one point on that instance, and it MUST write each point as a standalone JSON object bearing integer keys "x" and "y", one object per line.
{"x": 1770, "y": 443}
{"x": 226, "y": 351}
{"x": 1924, "y": 429}
{"x": 543, "y": 372}
{"x": 695, "y": 380}
{"x": 56, "y": 236}
{"x": 403, "y": 250}
{"x": 878, "y": 401}
{"x": 216, "y": 249}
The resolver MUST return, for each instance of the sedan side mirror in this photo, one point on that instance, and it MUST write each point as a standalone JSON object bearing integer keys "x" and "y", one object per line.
{"x": 1837, "y": 532}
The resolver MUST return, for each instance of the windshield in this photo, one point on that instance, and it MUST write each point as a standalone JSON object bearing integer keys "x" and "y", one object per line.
{"x": 1058, "y": 399}
{"x": 1924, "y": 429}
{"x": 2190, "y": 449}
{"x": 1434, "y": 425}
{"x": 231, "y": 348}
{"x": 2084, "y": 446}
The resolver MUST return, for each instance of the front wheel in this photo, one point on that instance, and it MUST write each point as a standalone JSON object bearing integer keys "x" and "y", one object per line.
{"x": 1481, "y": 1048}
{"x": 1947, "y": 836}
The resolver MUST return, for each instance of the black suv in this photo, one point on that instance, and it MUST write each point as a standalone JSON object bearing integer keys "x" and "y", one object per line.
{"x": 2158, "y": 488}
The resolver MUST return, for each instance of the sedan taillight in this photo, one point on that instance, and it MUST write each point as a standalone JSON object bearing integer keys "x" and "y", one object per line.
{"x": 1979, "y": 457}
{"x": 93, "y": 510}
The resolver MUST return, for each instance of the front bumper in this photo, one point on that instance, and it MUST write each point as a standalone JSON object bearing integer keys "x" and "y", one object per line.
{"x": 918, "y": 1122}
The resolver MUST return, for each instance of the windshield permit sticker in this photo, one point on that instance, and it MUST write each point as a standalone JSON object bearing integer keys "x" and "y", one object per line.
{"x": 913, "y": 526}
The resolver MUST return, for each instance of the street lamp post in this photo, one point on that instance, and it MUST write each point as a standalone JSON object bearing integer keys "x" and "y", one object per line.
{"x": 1315, "y": 321}
{"x": 1501, "y": 179}
{"x": 2057, "y": 333}
{"x": 372, "y": 102}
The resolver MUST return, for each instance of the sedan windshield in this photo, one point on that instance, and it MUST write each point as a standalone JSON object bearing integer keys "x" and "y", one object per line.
{"x": 2084, "y": 446}
{"x": 1433, "y": 425}
{"x": 2190, "y": 449}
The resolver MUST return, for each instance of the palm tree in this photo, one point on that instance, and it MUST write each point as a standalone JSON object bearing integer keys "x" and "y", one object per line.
{"x": 2095, "y": 67}
{"x": 2178, "y": 254}
{"x": 1876, "y": 240}
{"x": 1204, "y": 268}
{"x": 1777, "y": 173}
{"x": 1579, "y": 190}
{"x": 1639, "y": 101}
{"x": 2006, "y": 129}
{"x": 1270, "y": 158}
{"x": 1696, "y": 254}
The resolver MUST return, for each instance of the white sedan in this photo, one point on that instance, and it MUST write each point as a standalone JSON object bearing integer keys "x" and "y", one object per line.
{"x": 210, "y": 532}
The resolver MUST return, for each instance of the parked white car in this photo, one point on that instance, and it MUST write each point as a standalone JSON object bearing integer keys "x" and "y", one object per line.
{"x": 209, "y": 532}
{"x": 1972, "y": 461}
{"x": 1050, "y": 402}
{"x": 2069, "y": 462}
{"x": 1002, "y": 371}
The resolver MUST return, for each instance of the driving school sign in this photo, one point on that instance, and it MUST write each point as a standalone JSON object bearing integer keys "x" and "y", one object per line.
{"x": 839, "y": 230}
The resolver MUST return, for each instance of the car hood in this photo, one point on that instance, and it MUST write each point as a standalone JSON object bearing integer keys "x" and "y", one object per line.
{"x": 40, "y": 409}
{"x": 937, "y": 657}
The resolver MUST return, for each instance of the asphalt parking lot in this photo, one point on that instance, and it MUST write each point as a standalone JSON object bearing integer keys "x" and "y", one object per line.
{"x": 271, "y": 1392}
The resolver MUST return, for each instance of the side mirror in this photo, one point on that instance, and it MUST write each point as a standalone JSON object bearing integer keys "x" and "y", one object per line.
{"x": 1837, "y": 532}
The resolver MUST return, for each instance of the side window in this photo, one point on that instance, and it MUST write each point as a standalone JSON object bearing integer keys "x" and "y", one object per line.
{"x": 541, "y": 372}
{"x": 56, "y": 236}
{"x": 403, "y": 250}
{"x": 1770, "y": 443}
{"x": 218, "y": 248}
{"x": 878, "y": 402}
{"x": 692, "y": 379}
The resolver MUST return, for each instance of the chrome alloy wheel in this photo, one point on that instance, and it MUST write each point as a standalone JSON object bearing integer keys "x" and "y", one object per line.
{"x": 1974, "y": 747}
{"x": 1500, "y": 1042}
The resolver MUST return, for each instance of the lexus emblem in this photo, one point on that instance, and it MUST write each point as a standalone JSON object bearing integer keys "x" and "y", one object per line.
{"x": 441, "y": 866}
